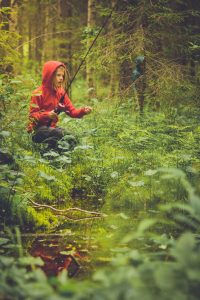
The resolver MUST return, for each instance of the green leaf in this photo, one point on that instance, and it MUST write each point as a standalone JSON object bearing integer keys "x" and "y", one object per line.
{"x": 150, "y": 172}
{"x": 16, "y": 81}
{"x": 47, "y": 177}
{"x": 64, "y": 159}
{"x": 5, "y": 133}
{"x": 51, "y": 154}
{"x": 87, "y": 178}
{"x": 6, "y": 261}
{"x": 3, "y": 241}
{"x": 29, "y": 260}
{"x": 70, "y": 252}
{"x": 5, "y": 9}
{"x": 123, "y": 216}
{"x": 114, "y": 174}
{"x": 145, "y": 224}
{"x": 184, "y": 248}
{"x": 84, "y": 147}
{"x": 136, "y": 183}
{"x": 113, "y": 227}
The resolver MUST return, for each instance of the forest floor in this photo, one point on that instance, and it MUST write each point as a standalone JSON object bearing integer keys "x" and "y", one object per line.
{"x": 125, "y": 166}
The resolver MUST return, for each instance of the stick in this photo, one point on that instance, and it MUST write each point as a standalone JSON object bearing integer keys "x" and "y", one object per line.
{"x": 62, "y": 212}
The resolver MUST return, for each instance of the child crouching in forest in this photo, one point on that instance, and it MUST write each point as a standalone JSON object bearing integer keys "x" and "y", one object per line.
{"x": 45, "y": 103}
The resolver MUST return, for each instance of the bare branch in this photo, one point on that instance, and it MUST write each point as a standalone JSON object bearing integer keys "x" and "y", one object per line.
{"x": 64, "y": 212}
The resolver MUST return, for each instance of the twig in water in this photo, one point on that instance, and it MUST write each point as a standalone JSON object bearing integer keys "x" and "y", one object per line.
{"x": 63, "y": 212}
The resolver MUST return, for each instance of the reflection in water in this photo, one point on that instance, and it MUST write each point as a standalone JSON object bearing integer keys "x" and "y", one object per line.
{"x": 54, "y": 259}
{"x": 84, "y": 247}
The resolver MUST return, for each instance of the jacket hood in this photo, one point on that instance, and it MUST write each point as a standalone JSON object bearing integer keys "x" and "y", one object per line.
{"x": 48, "y": 71}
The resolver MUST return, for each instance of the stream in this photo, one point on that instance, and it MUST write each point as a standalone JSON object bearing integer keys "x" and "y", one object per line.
{"x": 84, "y": 247}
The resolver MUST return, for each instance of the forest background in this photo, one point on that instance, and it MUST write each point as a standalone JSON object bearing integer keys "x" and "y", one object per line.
{"x": 139, "y": 165}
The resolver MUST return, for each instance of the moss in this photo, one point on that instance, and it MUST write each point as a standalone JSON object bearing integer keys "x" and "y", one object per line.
{"x": 40, "y": 220}
{"x": 46, "y": 184}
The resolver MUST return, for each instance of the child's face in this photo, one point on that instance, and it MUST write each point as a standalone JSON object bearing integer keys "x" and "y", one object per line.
{"x": 59, "y": 77}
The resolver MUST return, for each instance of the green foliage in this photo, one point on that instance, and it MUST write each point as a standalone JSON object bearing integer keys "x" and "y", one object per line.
{"x": 52, "y": 185}
{"x": 171, "y": 271}
{"x": 115, "y": 161}
{"x": 136, "y": 276}
{"x": 123, "y": 151}
{"x": 26, "y": 284}
{"x": 8, "y": 42}
{"x": 125, "y": 163}
{"x": 168, "y": 269}
{"x": 39, "y": 220}
{"x": 15, "y": 205}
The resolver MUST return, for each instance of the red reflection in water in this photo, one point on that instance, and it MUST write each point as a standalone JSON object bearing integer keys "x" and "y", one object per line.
{"x": 54, "y": 261}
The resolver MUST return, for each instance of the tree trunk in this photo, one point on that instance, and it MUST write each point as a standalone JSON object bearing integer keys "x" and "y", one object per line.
{"x": 114, "y": 67}
{"x": 20, "y": 19}
{"x": 30, "y": 35}
{"x": 39, "y": 31}
{"x": 53, "y": 21}
{"x": 5, "y": 17}
{"x": 89, "y": 67}
{"x": 66, "y": 44}
{"x": 45, "y": 31}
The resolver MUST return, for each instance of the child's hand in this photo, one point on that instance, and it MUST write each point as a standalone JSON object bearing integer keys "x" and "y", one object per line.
{"x": 53, "y": 115}
{"x": 87, "y": 109}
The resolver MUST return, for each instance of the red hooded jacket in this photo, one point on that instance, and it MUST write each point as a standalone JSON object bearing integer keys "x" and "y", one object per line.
{"x": 45, "y": 99}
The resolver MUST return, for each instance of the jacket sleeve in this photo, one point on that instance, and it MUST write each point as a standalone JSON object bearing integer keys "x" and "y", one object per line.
{"x": 36, "y": 113}
{"x": 71, "y": 110}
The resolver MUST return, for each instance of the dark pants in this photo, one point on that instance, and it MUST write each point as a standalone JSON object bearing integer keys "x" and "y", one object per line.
{"x": 52, "y": 136}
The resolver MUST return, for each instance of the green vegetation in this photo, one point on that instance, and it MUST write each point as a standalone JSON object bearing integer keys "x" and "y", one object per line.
{"x": 117, "y": 168}
{"x": 137, "y": 172}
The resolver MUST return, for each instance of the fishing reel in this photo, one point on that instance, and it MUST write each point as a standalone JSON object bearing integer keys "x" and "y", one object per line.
{"x": 60, "y": 108}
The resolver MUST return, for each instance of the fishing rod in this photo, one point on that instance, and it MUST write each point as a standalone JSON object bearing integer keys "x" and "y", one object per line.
{"x": 96, "y": 37}
{"x": 61, "y": 101}
{"x": 88, "y": 51}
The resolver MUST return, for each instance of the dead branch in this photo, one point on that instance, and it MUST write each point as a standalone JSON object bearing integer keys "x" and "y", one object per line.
{"x": 64, "y": 212}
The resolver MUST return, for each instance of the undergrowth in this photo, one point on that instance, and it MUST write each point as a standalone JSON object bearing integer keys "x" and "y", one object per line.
{"x": 115, "y": 162}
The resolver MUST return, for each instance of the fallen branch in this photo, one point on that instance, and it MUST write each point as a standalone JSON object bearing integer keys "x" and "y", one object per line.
{"x": 64, "y": 212}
